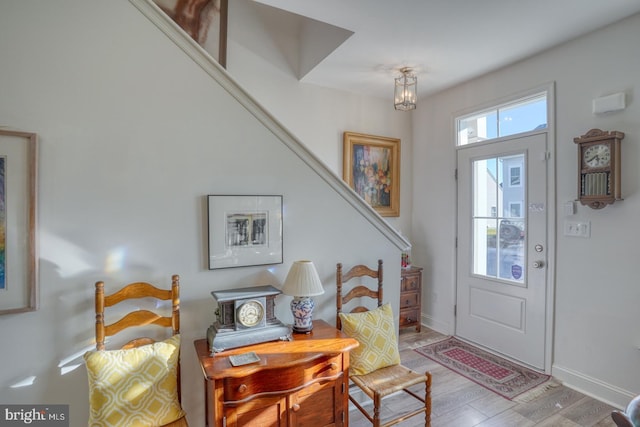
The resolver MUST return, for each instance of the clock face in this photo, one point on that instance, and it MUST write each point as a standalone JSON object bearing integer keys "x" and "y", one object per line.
{"x": 250, "y": 313}
{"x": 597, "y": 156}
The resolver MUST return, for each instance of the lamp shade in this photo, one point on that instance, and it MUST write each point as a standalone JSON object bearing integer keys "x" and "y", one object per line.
{"x": 302, "y": 280}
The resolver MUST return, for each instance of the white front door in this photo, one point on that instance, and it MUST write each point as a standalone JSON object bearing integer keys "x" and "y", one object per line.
{"x": 502, "y": 247}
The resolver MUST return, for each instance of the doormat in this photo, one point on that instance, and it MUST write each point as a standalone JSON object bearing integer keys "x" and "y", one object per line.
{"x": 499, "y": 375}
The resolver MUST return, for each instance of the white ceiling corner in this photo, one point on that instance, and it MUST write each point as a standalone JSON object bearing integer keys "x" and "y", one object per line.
{"x": 359, "y": 45}
{"x": 303, "y": 41}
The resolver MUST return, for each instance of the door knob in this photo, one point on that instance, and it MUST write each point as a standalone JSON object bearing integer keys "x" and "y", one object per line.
{"x": 538, "y": 264}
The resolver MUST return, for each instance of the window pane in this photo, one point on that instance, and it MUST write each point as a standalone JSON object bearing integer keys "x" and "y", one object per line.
{"x": 485, "y": 248}
{"x": 499, "y": 217}
{"x": 524, "y": 116}
{"x": 511, "y": 250}
{"x": 479, "y": 127}
{"x": 485, "y": 182}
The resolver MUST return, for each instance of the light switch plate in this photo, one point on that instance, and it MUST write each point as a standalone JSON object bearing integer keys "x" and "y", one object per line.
{"x": 577, "y": 229}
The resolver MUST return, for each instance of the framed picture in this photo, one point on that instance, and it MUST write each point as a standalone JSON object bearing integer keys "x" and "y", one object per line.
{"x": 204, "y": 20}
{"x": 18, "y": 196}
{"x": 371, "y": 167}
{"x": 244, "y": 230}
{"x": 216, "y": 38}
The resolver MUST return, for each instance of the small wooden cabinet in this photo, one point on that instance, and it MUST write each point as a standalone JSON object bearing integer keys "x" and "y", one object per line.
{"x": 411, "y": 297}
{"x": 296, "y": 383}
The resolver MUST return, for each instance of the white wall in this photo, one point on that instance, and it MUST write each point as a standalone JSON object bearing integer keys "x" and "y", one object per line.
{"x": 596, "y": 334}
{"x": 133, "y": 136}
{"x": 317, "y": 116}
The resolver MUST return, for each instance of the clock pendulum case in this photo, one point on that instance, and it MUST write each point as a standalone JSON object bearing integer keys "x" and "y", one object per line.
{"x": 245, "y": 316}
{"x": 599, "y": 168}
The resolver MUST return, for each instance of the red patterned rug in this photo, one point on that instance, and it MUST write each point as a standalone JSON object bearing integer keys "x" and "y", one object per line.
{"x": 499, "y": 375}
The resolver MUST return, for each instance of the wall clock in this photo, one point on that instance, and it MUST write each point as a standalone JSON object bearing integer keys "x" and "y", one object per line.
{"x": 245, "y": 316}
{"x": 599, "y": 168}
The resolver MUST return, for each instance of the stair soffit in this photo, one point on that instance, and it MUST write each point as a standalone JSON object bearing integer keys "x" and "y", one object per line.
{"x": 222, "y": 77}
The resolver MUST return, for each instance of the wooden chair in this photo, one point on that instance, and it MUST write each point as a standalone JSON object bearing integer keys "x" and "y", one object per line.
{"x": 388, "y": 380}
{"x": 139, "y": 317}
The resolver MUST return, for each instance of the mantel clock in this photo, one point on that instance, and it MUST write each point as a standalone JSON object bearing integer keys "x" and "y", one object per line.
{"x": 599, "y": 168}
{"x": 245, "y": 316}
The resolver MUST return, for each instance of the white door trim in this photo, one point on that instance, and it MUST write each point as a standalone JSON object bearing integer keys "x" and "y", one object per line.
{"x": 551, "y": 210}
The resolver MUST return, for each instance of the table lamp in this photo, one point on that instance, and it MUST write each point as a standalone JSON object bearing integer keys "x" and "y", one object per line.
{"x": 302, "y": 283}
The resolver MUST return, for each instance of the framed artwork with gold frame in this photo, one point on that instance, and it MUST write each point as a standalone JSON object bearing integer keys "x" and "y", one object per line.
{"x": 371, "y": 167}
{"x": 204, "y": 20}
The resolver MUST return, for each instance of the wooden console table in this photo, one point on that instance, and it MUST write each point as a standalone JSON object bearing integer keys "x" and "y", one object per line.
{"x": 299, "y": 382}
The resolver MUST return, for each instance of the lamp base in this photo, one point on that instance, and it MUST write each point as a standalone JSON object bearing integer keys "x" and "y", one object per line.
{"x": 302, "y": 311}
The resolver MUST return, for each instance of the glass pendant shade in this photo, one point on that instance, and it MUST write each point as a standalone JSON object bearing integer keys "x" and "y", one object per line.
{"x": 406, "y": 91}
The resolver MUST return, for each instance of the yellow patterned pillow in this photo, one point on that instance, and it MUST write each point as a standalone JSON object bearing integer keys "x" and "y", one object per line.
{"x": 135, "y": 387}
{"x": 376, "y": 332}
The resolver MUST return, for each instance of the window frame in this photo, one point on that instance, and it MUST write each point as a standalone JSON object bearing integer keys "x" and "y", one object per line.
{"x": 496, "y": 106}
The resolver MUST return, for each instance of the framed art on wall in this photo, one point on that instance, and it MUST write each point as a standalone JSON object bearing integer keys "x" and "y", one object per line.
{"x": 204, "y": 20}
{"x": 371, "y": 167}
{"x": 18, "y": 195}
{"x": 244, "y": 230}
{"x": 216, "y": 37}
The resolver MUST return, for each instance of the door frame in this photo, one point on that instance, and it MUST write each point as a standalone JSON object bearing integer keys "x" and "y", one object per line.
{"x": 551, "y": 209}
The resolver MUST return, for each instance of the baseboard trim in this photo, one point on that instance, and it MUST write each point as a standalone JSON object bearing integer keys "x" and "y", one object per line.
{"x": 610, "y": 394}
{"x": 431, "y": 323}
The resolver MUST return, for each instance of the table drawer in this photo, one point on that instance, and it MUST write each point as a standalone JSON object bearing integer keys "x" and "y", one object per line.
{"x": 283, "y": 379}
{"x": 410, "y": 283}
{"x": 409, "y": 299}
{"x": 409, "y": 317}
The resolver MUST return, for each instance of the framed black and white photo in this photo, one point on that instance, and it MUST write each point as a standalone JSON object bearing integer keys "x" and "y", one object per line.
{"x": 244, "y": 230}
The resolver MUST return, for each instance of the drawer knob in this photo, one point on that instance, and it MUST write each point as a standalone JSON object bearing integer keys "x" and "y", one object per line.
{"x": 333, "y": 366}
{"x": 295, "y": 407}
{"x": 242, "y": 388}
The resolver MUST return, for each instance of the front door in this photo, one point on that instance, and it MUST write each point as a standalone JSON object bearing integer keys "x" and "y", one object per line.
{"x": 501, "y": 296}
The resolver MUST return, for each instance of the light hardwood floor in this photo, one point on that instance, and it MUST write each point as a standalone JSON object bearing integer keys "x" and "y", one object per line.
{"x": 459, "y": 402}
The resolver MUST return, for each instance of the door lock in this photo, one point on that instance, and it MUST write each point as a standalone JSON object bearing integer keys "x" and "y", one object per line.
{"x": 538, "y": 264}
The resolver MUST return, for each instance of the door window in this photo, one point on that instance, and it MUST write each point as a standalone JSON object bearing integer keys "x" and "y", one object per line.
{"x": 499, "y": 222}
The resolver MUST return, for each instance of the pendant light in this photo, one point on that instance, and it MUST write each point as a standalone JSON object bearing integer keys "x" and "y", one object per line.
{"x": 406, "y": 90}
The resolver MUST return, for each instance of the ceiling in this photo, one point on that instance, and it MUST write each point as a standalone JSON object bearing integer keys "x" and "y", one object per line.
{"x": 359, "y": 45}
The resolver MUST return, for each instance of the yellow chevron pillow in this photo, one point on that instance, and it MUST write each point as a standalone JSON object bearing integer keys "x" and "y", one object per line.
{"x": 376, "y": 332}
{"x": 134, "y": 387}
